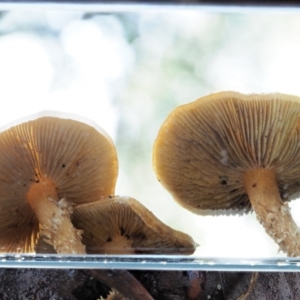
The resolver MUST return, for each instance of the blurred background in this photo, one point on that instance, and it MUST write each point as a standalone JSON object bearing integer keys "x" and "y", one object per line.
{"x": 128, "y": 71}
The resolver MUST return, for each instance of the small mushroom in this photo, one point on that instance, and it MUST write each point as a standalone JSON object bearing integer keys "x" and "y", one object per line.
{"x": 122, "y": 225}
{"x": 235, "y": 152}
{"x": 47, "y": 165}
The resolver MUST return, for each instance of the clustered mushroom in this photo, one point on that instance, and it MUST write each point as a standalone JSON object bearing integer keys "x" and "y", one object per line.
{"x": 223, "y": 152}
{"x": 49, "y": 169}
{"x": 235, "y": 152}
{"x": 122, "y": 225}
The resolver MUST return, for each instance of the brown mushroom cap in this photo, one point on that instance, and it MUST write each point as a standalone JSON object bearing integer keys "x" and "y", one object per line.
{"x": 204, "y": 148}
{"x": 216, "y": 153}
{"x": 74, "y": 160}
{"x": 122, "y": 225}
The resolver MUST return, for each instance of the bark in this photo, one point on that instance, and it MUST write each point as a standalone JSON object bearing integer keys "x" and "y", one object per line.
{"x": 48, "y": 284}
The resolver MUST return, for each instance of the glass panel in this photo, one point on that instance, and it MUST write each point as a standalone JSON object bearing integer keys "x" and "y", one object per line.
{"x": 149, "y": 262}
{"x": 125, "y": 68}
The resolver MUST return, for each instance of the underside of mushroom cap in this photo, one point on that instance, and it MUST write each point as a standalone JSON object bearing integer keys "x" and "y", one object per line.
{"x": 204, "y": 148}
{"x": 79, "y": 161}
{"x": 19, "y": 236}
{"x": 123, "y": 225}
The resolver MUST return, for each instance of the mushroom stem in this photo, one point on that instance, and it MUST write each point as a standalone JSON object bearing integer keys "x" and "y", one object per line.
{"x": 54, "y": 218}
{"x": 271, "y": 212}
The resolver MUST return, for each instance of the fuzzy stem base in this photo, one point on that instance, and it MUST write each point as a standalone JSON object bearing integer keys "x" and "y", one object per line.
{"x": 54, "y": 218}
{"x": 271, "y": 212}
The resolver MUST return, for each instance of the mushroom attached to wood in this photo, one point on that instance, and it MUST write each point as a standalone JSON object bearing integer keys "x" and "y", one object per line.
{"x": 47, "y": 165}
{"x": 122, "y": 225}
{"x": 235, "y": 152}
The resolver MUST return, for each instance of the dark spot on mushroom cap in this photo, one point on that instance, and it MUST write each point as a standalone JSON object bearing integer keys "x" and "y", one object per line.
{"x": 63, "y": 165}
{"x": 223, "y": 143}
{"x": 137, "y": 230}
{"x": 223, "y": 179}
{"x": 122, "y": 231}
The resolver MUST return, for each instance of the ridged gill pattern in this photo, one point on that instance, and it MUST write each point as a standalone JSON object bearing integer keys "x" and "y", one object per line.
{"x": 81, "y": 162}
{"x": 105, "y": 221}
{"x": 204, "y": 148}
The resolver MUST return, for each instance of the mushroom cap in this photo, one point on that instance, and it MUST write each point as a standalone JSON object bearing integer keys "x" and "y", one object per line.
{"x": 203, "y": 149}
{"x": 80, "y": 161}
{"x": 123, "y": 225}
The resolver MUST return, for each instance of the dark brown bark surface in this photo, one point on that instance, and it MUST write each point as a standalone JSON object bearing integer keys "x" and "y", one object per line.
{"x": 43, "y": 284}
{"x": 268, "y": 286}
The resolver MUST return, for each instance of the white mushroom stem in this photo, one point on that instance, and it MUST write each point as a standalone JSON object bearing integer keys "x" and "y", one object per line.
{"x": 272, "y": 213}
{"x": 54, "y": 218}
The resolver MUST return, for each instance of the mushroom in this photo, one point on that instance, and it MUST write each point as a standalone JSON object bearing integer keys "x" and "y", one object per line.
{"x": 122, "y": 225}
{"x": 47, "y": 165}
{"x": 235, "y": 152}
